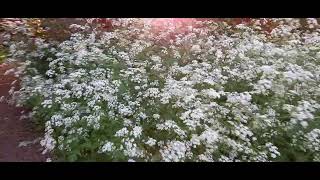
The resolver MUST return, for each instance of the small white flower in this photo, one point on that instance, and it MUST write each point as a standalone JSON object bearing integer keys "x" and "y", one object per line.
{"x": 196, "y": 49}
{"x": 137, "y": 130}
{"x": 131, "y": 160}
{"x": 156, "y": 116}
{"x": 107, "y": 147}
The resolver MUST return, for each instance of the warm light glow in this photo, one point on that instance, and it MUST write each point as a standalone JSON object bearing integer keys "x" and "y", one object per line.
{"x": 161, "y": 23}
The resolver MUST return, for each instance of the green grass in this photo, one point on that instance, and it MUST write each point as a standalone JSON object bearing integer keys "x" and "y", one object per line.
{"x": 3, "y": 54}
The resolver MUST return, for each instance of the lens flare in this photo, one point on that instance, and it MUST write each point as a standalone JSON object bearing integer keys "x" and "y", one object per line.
{"x": 164, "y": 23}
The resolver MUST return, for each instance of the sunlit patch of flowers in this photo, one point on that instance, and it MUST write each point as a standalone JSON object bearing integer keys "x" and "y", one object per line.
{"x": 201, "y": 91}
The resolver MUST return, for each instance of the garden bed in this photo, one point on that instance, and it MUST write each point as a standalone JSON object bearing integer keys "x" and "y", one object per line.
{"x": 173, "y": 89}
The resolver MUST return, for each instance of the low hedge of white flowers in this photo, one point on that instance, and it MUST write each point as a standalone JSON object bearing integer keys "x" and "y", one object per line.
{"x": 197, "y": 91}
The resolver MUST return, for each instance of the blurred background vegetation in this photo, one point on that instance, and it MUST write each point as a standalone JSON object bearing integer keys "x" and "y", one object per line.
{"x": 57, "y": 29}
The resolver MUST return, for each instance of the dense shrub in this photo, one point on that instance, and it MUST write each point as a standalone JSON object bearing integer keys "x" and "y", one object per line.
{"x": 170, "y": 91}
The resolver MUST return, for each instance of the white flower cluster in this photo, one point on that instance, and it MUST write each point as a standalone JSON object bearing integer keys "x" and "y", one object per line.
{"x": 313, "y": 138}
{"x": 177, "y": 94}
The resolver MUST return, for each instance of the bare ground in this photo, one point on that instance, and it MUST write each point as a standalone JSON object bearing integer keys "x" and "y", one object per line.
{"x": 14, "y": 130}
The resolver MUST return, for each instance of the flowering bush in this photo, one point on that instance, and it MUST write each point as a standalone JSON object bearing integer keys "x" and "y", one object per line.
{"x": 170, "y": 91}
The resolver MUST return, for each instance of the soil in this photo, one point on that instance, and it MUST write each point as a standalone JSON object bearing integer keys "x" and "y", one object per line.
{"x": 14, "y": 130}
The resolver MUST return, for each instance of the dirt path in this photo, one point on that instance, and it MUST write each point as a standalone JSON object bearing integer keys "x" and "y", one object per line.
{"x": 14, "y": 130}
